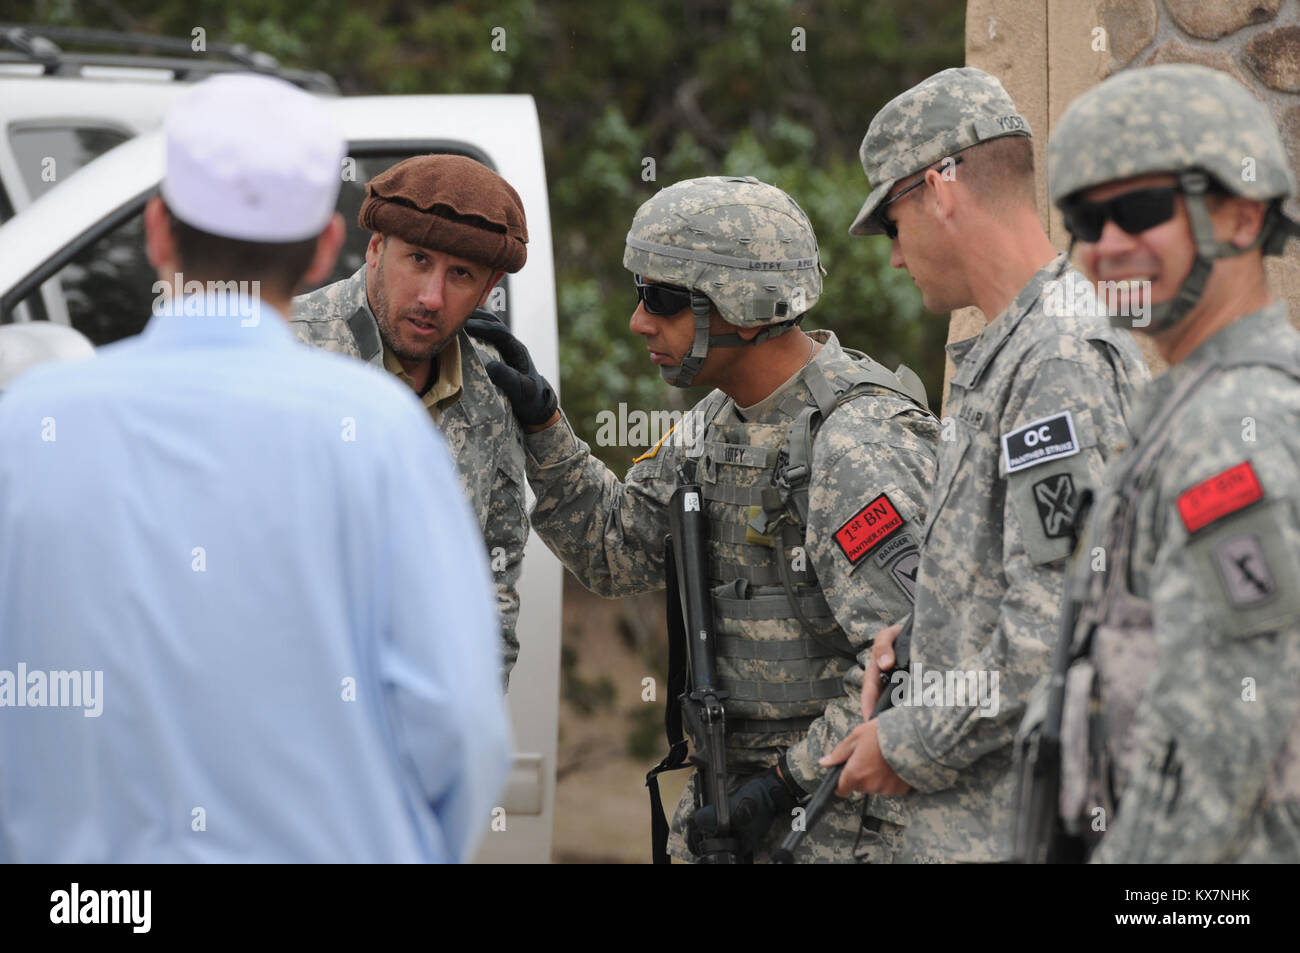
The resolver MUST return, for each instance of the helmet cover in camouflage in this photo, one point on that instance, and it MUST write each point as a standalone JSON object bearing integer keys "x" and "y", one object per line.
{"x": 744, "y": 244}
{"x": 1169, "y": 118}
{"x": 940, "y": 116}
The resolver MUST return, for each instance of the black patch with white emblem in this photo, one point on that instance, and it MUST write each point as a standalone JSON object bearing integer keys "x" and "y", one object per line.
{"x": 904, "y": 572}
{"x": 1057, "y": 505}
{"x": 1051, "y": 438}
{"x": 1245, "y": 571}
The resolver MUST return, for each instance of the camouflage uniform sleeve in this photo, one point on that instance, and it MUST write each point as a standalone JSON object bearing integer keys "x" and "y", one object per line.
{"x": 506, "y": 534}
{"x": 929, "y": 745}
{"x": 1225, "y": 692}
{"x": 871, "y": 448}
{"x": 610, "y": 534}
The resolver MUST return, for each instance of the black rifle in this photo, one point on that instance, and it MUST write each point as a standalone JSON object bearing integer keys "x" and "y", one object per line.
{"x": 1038, "y": 835}
{"x": 690, "y": 624}
{"x": 821, "y": 798}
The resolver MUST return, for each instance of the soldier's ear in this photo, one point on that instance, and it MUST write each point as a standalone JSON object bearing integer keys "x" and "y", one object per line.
{"x": 327, "y": 252}
{"x": 1242, "y": 218}
{"x": 941, "y": 196}
{"x": 159, "y": 243}
{"x": 374, "y": 248}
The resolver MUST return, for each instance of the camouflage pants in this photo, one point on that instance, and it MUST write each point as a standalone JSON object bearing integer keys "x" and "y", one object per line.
{"x": 838, "y": 838}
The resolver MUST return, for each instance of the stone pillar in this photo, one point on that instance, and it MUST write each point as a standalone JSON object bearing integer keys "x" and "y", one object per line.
{"x": 1047, "y": 52}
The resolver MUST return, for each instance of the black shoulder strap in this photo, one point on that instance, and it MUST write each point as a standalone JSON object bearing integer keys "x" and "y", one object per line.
{"x": 677, "y": 747}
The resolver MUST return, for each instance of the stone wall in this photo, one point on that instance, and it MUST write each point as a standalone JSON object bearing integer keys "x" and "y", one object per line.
{"x": 1047, "y": 52}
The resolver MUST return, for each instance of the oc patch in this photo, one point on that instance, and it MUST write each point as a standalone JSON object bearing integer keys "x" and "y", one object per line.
{"x": 1219, "y": 496}
{"x": 1057, "y": 505}
{"x": 1051, "y": 438}
{"x": 867, "y": 528}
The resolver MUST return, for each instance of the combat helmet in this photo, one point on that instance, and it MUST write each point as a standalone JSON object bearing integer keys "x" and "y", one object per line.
{"x": 737, "y": 243}
{"x": 1195, "y": 122}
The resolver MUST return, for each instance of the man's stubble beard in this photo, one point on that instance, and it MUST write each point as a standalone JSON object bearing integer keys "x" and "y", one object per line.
{"x": 379, "y": 304}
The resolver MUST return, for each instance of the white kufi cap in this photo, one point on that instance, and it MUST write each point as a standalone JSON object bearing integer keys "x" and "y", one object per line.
{"x": 253, "y": 158}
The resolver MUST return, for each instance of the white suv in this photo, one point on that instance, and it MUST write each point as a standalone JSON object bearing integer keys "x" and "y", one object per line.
{"x": 73, "y": 254}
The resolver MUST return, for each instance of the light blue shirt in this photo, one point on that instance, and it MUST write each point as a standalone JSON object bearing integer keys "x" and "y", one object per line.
{"x": 251, "y": 562}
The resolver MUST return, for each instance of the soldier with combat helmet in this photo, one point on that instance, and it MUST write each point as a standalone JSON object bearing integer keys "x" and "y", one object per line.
{"x": 1036, "y": 406}
{"x": 1180, "y": 713}
{"x": 726, "y": 269}
{"x": 445, "y": 230}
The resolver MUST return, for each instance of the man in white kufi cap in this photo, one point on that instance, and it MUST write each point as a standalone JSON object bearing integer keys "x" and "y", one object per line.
{"x": 220, "y": 551}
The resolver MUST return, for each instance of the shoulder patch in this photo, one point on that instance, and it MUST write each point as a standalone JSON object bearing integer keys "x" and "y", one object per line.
{"x": 868, "y": 528}
{"x": 904, "y": 572}
{"x": 1221, "y": 495}
{"x": 1057, "y": 504}
{"x": 1244, "y": 568}
{"x": 1051, "y": 438}
{"x": 896, "y": 545}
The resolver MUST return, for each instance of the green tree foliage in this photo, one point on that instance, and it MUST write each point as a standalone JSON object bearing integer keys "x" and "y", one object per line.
{"x": 777, "y": 89}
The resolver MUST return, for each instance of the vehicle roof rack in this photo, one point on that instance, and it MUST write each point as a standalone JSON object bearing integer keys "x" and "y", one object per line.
{"x": 41, "y": 45}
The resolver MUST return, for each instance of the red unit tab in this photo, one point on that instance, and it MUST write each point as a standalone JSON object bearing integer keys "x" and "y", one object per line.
{"x": 868, "y": 528}
{"x": 1222, "y": 494}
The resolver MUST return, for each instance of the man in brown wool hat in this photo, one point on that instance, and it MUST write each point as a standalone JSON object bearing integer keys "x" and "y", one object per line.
{"x": 446, "y": 229}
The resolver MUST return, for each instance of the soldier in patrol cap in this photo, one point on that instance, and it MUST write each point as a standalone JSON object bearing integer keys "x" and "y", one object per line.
{"x": 1037, "y": 405}
{"x": 1181, "y": 722}
{"x": 725, "y": 269}
{"x": 446, "y": 229}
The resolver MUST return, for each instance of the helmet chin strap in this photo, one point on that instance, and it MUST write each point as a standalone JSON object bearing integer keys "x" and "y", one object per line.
{"x": 681, "y": 375}
{"x": 1194, "y": 186}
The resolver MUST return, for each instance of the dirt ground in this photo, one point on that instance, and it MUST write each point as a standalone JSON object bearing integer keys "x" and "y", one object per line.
{"x": 602, "y": 808}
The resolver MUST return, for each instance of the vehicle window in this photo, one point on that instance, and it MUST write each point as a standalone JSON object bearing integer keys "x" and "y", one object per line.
{"x": 49, "y": 154}
{"x": 108, "y": 285}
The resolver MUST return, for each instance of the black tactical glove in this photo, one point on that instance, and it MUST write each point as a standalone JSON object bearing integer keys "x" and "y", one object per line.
{"x": 754, "y": 807}
{"x": 531, "y": 396}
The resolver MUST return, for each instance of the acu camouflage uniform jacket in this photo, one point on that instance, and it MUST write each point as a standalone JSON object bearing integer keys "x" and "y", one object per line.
{"x": 877, "y": 447}
{"x": 1187, "y": 741}
{"x": 480, "y": 430}
{"x": 1036, "y": 407}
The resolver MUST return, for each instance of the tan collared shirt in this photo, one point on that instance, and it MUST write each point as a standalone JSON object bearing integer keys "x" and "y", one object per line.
{"x": 446, "y": 387}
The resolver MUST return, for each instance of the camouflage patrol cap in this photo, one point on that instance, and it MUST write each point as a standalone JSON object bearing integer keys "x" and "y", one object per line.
{"x": 1169, "y": 118}
{"x": 744, "y": 244}
{"x": 951, "y": 111}
{"x": 452, "y": 204}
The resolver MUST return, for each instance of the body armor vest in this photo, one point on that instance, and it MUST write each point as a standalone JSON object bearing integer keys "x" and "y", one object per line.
{"x": 1115, "y": 649}
{"x": 780, "y": 653}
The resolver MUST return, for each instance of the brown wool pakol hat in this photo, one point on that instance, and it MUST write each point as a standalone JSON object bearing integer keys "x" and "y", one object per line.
{"x": 451, "y": 204}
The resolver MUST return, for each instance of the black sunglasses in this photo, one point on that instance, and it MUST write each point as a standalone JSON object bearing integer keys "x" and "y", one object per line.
{"x": 662, "y": 300}
{"x": 1134, "y": 212}
{"x": 890, "y": 229}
